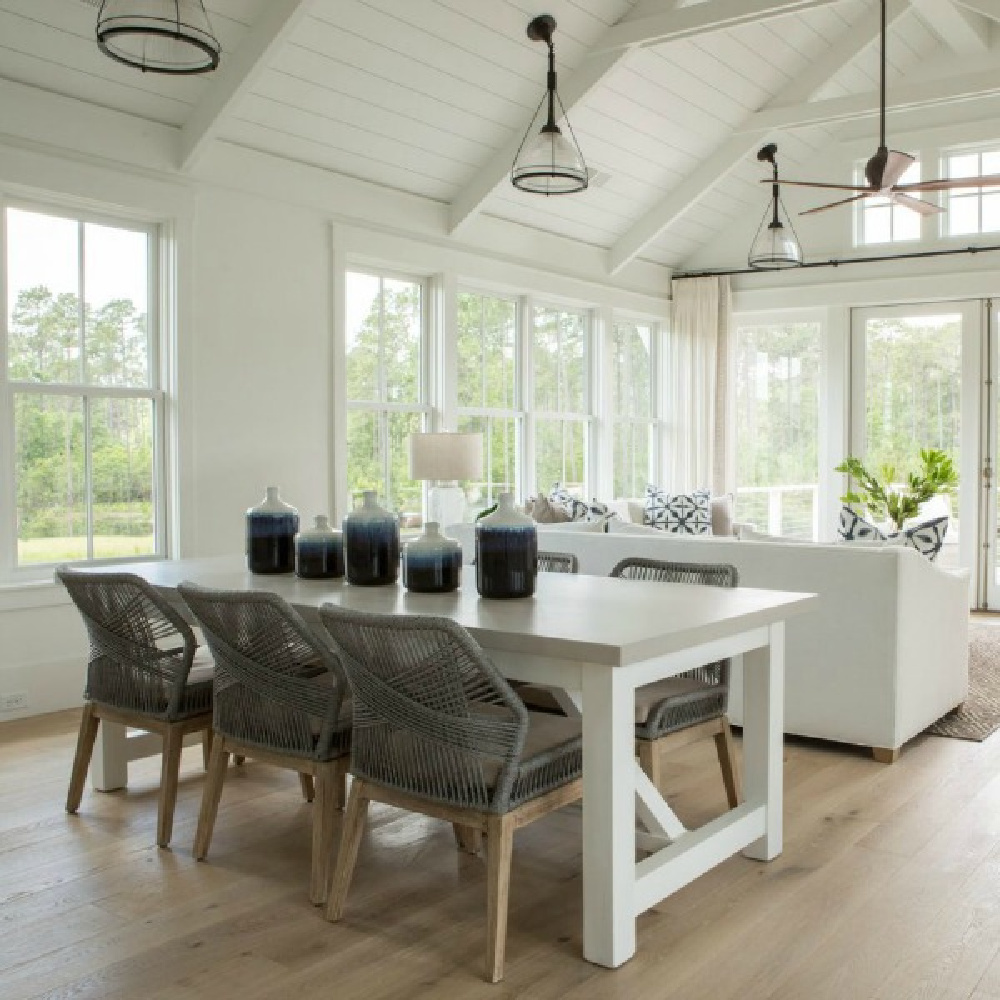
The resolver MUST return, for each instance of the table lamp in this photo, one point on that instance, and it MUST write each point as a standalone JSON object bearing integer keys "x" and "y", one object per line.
{"x": 443, "y": 458}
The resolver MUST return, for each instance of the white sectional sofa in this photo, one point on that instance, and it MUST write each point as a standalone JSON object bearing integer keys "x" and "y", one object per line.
{"x": 884, "y": 656}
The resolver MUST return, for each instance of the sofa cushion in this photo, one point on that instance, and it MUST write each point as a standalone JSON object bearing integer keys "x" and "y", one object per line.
{"x": 722, "y": 514}
{"x": 546, "y": 512}
{"x": 854, "y": 528}
{"x": 679, "y": 513}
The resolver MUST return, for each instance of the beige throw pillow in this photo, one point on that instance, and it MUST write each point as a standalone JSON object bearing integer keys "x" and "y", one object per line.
{"x": 545, "y": 512}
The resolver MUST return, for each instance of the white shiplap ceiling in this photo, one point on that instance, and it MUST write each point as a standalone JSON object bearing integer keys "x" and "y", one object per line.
{"x": 427, "y": 96}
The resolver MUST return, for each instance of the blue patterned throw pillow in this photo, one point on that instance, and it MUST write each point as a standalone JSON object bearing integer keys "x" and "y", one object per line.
{"x": 928, "y": 537}
{"x": 679, "y": 513}
{"x": 577, "y": 509}
{"x": 854, "y": 528}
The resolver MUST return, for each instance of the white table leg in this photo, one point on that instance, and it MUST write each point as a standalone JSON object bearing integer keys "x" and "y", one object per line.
{"x": 109, "y": 765}
{"x": 608, "y": 817}
{"x": 763, "y": 744}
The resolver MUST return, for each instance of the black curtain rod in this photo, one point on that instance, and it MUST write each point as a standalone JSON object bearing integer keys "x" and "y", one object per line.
{"x": 835, "y": 262}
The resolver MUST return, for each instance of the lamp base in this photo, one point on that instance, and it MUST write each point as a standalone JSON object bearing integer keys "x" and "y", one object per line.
{"x": 446, "y": 504}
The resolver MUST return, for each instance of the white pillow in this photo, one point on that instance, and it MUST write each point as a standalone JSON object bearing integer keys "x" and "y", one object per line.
{"x": 722, "y": 514}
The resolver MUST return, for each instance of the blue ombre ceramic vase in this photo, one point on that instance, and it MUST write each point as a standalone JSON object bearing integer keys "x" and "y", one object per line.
{"x": 271, "y": 528}
{"x": 432, "y": 563}
{"x": 506, "y": 552}
{"x": 371, "y": 543}
{"x": 319, "y": 552}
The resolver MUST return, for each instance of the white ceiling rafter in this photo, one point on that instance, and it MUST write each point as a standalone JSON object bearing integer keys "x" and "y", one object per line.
{"x": 988, "y": 8}
{"x": 922, "y": 94}
{"x": 237, "y": 75}
{"x": 657, "y": 21}
{"x": 963, "y": 31}
{"x": 649, "y": 22}
{"x": 724, "y": 160}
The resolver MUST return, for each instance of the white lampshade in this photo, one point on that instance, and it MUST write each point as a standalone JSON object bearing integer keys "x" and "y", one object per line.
{"x": 446, "y": 455}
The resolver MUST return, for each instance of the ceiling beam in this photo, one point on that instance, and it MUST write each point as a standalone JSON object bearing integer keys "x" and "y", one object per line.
{"x": 706, "y": 175}
{"x": 923, "y": 94}
{"x": 963, "y": 31}
{"x": 653, "y": 23}
{"x": 238, "y": 74}
{"x": 988, "y": 8}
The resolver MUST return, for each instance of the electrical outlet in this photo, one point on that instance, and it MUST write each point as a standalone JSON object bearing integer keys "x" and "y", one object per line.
{"x": 13, "y": 702}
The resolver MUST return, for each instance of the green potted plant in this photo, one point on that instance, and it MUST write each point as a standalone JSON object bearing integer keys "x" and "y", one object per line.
{"x": 886, "y": 500}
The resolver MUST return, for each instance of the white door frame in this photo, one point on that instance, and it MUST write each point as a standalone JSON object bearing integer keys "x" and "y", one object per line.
{"x": 971, "y": 311}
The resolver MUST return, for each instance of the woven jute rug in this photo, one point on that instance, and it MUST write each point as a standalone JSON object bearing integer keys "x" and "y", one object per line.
{"x": 980, "y": 715}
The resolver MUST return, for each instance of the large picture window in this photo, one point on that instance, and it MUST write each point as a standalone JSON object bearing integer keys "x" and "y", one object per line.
{"x": 488, "y": 390}
{"x": 777, "y": 427}
{"x": 562, "y": 398}
{"x": 386, "y": 388}
{"x": 82, "y": 384}
{"x": 633, "y": 407}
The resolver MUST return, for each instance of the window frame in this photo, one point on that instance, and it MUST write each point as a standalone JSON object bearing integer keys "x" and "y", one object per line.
{"x": 517, "y": 411}
{"x": 654, "y": 422}
{"x": 862, "y": 207}
{"x": 424, "y": 404}
{"x": 965, "y": 194}
{"x": 588, "y": 416}
{"x": 155, "y": 391}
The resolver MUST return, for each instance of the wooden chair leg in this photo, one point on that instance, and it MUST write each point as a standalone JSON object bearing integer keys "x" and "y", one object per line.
{"x": 308, "y": 786}
{"x": 206, "y": 746}
{"x": 324, "y": 825}
{"x": 238, "y": 759}
{"x": 347, "y": 856}
{"x": 170, "y": 765}
{"x": 649, "y": 761}
{"x": 499, "y": 845}
{"x": 725, "y": 747}
{"x": 341, "y": 782}
{"x": 210, "y": 797}
{"x": 468, "y": 838}
{"x": 81, "y": 761}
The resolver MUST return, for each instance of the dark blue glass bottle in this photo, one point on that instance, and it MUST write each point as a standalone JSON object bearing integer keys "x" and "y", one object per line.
{"x": 371, "y": 544}
{"x": 319, "y": 552}
{"x": 270, "y": 530}
{"x": 506, "y": 552}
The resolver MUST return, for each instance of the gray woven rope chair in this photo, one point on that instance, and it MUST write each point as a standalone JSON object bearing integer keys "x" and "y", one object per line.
{"x": 438, "y": 731}
{"x": 280, "y": 698}
{"x": 680, "y": 709}
{"x": 144, "y": 671}
{"x": 557, "y": 562}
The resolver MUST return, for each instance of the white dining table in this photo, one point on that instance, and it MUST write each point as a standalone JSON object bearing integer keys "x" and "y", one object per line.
{"x": 599, "y": 639}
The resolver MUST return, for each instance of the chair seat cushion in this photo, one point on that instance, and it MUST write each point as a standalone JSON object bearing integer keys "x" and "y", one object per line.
{"x": 552, "y": 756}
{"x": 676, "y": 703}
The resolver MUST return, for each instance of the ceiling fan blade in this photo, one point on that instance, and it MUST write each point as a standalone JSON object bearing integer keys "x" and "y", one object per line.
{"x": 895, "y": 166}
{"x": 949, "y": 183}
{"x": 820, "y": 184}
{"x": 836, "y": 204}
{"x": 921, "y": 207}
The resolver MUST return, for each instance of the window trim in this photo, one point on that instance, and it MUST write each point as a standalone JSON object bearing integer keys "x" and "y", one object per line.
{"x": 11, "y": 573}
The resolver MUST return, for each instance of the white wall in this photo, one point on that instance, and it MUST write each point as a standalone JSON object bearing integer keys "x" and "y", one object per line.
{"x": 255, "y": 240}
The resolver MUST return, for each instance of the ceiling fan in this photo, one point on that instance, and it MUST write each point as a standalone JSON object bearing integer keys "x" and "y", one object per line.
{"x": 885, "y": 169}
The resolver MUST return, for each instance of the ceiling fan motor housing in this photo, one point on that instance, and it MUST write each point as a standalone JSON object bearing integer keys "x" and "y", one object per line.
{"x": 875, "y": 168}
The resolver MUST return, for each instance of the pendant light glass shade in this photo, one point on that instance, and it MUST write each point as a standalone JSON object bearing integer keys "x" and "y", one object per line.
{"x": 548, "y": 161}
{"x": 776, "y": 244}
{"x": 158, "y": 36}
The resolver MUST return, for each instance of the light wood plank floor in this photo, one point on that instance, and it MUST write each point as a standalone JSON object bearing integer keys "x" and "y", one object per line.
{"x": 889, "y": 887}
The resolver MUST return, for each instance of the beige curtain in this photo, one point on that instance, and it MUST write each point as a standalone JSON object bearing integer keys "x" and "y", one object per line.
{"x": 697, "y": 384}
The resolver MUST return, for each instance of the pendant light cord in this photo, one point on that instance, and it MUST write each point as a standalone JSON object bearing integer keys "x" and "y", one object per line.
{"x": 882, "y": 80}
{"x": 552, "y": 84}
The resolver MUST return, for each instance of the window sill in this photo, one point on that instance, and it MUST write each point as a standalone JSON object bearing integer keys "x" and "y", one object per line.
{"x": 27, "y": 595}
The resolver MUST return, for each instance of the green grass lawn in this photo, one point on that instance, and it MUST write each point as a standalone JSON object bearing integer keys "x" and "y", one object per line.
{"x": 54, "y": 550}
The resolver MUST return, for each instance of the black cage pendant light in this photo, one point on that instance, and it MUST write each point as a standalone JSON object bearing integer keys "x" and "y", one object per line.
{"x": 776, "y": 244}
{"x": 158, "y": 36}
{"x": 548, "y": 162}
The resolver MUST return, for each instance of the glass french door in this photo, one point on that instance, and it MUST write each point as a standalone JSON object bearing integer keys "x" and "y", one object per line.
{"x": 916, "y": 382}
{"x": 988, "y": 574}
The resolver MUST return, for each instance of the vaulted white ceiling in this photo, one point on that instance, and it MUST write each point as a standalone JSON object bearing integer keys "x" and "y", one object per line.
{"x": 669, "y": 100}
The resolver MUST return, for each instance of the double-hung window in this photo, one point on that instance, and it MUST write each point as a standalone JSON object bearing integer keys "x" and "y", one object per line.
{"x": 386, "y": 387}
{"x": 488, "y": 389}
{"x": 560, "y": 353}
{"x": 82, "y": 403}
{"x": 633, "y": 391}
